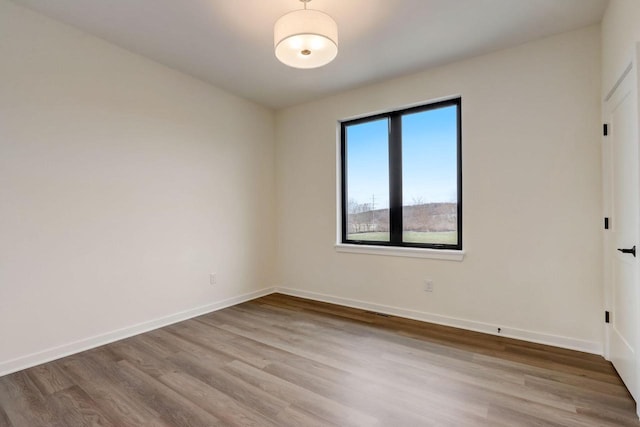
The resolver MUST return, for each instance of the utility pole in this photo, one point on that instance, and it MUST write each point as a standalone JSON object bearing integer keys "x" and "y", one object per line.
{"x": 373, "y": 214}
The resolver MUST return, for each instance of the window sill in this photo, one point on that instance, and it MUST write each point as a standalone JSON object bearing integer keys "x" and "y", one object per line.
{"x": 442, "y": 254}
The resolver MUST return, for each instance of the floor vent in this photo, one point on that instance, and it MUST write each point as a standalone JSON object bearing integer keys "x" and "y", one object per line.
{"x": 378, "y": 314}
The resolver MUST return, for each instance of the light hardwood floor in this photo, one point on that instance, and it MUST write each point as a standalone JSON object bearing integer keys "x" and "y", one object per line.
{"x": 284, "y": 361}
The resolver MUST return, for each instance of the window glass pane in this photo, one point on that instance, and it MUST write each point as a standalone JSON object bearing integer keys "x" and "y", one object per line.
{"x": 367, "y": 198}
{"x": 429, "y": 176}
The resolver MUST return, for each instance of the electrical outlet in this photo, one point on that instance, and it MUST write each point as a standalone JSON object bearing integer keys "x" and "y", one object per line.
{"x": 213, "y": 279}
{"x": 428, "y": 285}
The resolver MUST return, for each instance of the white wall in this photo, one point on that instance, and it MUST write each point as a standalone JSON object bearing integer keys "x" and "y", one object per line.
{"x": 532, "y": 202}
{"x": 123, "y": 184}
{"x": 620, "y": 33}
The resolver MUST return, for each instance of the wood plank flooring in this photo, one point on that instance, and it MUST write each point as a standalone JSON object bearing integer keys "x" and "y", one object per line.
{"x": 285, "y": 361}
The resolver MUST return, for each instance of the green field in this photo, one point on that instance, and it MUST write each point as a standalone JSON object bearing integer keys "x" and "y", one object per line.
{"x": 437, "y": 237}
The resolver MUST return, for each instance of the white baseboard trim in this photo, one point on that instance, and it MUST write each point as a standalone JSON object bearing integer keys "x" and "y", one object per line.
{"x": 64, "y": 350}
{"x": 487, "y": 328}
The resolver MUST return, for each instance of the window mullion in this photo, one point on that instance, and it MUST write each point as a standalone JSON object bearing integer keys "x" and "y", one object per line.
{"x": 395, "y": 178}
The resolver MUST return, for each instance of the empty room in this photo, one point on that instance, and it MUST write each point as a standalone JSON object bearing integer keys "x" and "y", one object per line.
{"x": 319, "y": 213}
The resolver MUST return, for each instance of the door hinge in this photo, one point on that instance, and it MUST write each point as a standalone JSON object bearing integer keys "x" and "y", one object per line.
{"x": 605, "y": 129}
{"x": 606, "y": 223}
{"x": 606, "y": 317}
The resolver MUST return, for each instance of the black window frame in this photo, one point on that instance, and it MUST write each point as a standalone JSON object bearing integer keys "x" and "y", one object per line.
{"x": 395, "y": 175}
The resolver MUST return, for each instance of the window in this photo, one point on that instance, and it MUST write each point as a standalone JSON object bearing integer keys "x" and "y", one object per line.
{"x": 401, "y": 178}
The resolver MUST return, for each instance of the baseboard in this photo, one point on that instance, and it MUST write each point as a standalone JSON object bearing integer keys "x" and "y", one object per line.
{"x": 64, "y": 350}
{"x": 487, "y": 328}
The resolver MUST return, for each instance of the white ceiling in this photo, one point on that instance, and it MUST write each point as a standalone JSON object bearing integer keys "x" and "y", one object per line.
{"x": 229, "y": 43}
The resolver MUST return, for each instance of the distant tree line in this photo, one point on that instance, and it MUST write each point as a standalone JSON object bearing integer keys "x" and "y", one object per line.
{"x": 424, "y": 217}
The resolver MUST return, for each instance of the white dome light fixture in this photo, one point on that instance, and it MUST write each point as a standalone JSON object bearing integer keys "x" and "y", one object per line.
{"x": 305, "y": 38}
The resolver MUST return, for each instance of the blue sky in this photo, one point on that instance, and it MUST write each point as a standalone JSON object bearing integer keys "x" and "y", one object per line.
{"x": 428, "y": 158}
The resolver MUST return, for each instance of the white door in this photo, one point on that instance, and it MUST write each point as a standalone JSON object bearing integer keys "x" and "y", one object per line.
{"x": 622, "y": 194}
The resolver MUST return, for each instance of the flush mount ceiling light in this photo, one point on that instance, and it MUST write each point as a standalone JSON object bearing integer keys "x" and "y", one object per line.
{"x": 305, "y": 38}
